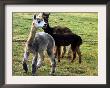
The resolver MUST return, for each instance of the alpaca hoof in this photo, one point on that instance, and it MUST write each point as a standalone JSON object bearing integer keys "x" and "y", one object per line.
{"x": 58, "y": 60}
{"x": 69, "y": 61}
{"x": 33, "y": 74}
{"x": 25, "y": 72}
{"x": 25, "y": 67}
{"x": 33, "y": 69}
{"x": 62, "y": 57}
{"x": 72, "y": 61}
{"x": 52, "y": 74}
{"x": 79, "y": 62}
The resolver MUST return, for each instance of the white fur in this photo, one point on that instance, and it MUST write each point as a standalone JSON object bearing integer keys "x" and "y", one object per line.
{"x": 25, "y": 57}
{"x": 39, "y": 25}
{"x": 39, "y": 61}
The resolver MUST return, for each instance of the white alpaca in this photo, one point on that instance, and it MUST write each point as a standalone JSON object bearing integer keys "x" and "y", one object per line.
{"x": 36, "y": 44}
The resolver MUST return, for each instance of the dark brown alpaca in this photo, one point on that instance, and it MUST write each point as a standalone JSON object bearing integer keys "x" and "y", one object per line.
{"x": 64, "y": 38}
{"x": 57, "y": 30}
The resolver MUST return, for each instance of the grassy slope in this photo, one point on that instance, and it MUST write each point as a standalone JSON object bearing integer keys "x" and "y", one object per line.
{"x": 83, "y": 24}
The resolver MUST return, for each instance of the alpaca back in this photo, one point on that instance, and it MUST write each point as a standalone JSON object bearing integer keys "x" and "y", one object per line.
{"x": 42, "y": 41}
{"x": 67, "y": 39}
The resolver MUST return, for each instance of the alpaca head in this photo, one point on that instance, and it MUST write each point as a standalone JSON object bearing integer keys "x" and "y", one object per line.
{"x": 45, "y": 16}
{"x": 38, "y": 21}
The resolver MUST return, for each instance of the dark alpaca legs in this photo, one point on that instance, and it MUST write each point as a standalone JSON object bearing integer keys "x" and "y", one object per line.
{"x": 58, "y": 52}
{"x": 79, "y": 54}
{"x": 69, "y": 54}
{"x": 76, "y": 50}
{"x": 64, "y": 51}
{"x": 73, "y": 48}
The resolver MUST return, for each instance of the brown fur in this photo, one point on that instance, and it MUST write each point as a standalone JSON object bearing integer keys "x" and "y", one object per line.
{"x": 58, "y": 30}
{"x": 63, "y": 37}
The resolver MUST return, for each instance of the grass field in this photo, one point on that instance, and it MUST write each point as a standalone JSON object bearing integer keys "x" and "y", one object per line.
{"x": 83, "y": 24}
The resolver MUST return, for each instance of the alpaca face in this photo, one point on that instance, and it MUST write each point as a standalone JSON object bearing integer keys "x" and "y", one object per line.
{"x": 38, "y": 22}
{"x": 45, "y": 16}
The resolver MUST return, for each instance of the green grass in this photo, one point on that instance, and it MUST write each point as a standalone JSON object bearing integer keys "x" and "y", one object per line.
{"x": 83, "y": 24}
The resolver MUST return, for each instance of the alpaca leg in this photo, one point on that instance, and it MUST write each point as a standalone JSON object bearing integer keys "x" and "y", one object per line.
{"x": 40, "y": 59}
{"x": 56, "y": 53}
{"x": 79, "y": 54}
{"x": 74, "y": 53}
{"x": 64, "y": 51}
{"x": 52, "y": 59}
{"x": 34, "y": 63}
{"x": 25, "y": 59}
{"x": 59, "y": 52}
{"x": 69, "y": 54}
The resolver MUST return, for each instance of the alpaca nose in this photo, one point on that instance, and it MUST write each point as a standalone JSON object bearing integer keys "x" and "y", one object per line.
{"x": 45, "y": 24}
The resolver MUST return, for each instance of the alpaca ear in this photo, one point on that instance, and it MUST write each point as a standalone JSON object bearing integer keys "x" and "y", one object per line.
{"x": 34, "y": 17}
{"x": 46, "y": 13}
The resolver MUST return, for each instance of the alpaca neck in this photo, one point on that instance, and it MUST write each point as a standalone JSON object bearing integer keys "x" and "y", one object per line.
{"x": 48, "y": 30}
{"x": 32, "y": 34}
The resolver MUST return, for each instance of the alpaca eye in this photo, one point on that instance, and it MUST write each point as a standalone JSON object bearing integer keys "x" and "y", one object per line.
{"x": 39, "y": 21}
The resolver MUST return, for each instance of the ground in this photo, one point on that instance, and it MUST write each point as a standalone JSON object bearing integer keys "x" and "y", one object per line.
{"x": 83, "y": 24}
